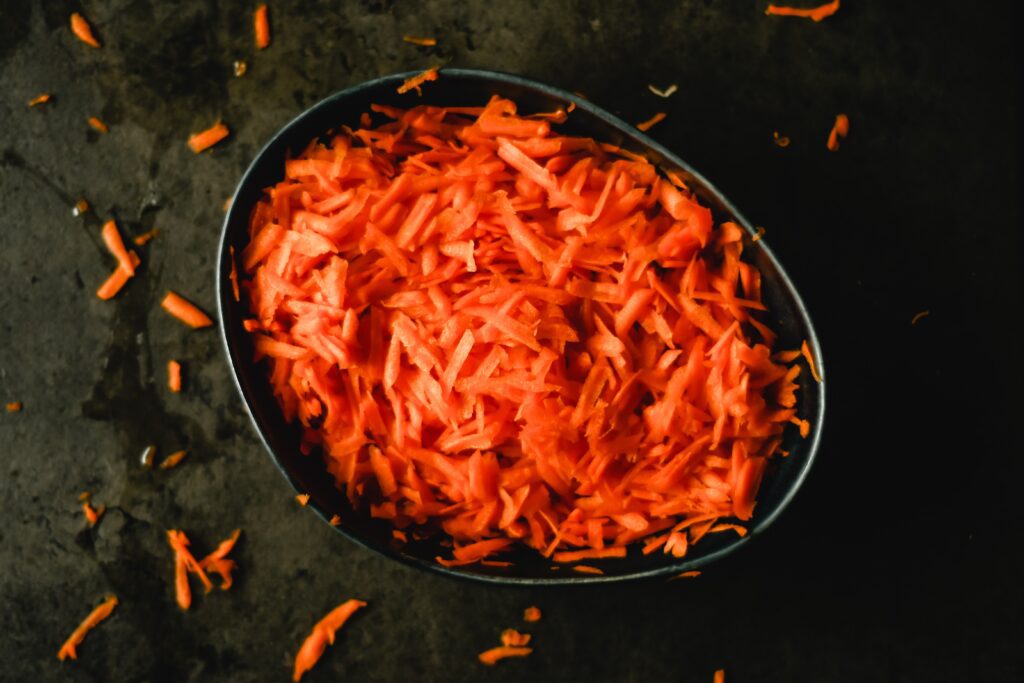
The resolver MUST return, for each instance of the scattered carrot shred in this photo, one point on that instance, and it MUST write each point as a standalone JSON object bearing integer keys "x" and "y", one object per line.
{"x": 185, "y": 563}
{"x": 227, "y": 203}
{"x": 474, "y": 319}
{"x": 203, "y": 140}
{"x": 322, "y": 635}
{"x": 261, "y": 27}
{"x": 82, "y": 30}
{"x": 917, "y": 317}
{"x": 104, "y": 610}
{"x": 173, "y": 459}
{"x": 81, "y": 206}
{"x": 840, "y": 129}
{"x": 233, "y": 275}
{"x": 92, "y": 515}
{"x": 114, "y": 244}
{"x": 651, "y": 122}
{"x": 720, "y": 673}
{"x": 513, "y": 638}
{"x": 423, "y": 42}
{"x": 218, "y": 562}
{"x": 303, "y": 499}
{"x": 780, "y": 140}
{"x": 495, "y": 654}
{"x": 691, "y": 574}
{"x": 39, "y": 99}
{"x": 758, "y": 234}
{"x": 531, "y": 614}
{"x": 145, "y": 237}
{"x": 805, "y": 351}
{"x": 14, "y": 406}
{"x": 98, "y": 125}
{"x": 335, "y": 520}
{"x": 185, "y": 311}
{"x": 416, "y": 81}
{"x": 816, "y": 13}
{"x": 84, "y": 495}
{"x": 174, "y": 376}
{"x": 586, "y": 569}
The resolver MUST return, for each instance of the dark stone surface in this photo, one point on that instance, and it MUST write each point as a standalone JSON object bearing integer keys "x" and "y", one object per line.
{"x": 899, "y": 560}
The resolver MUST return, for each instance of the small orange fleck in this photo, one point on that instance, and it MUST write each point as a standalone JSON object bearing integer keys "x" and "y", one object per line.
{"x": 39, "y": 99}
{"x": 840, "y": 129}
{"x": 531, "y": 614}
{"x": 780, "y": 140}
{"x": 335, "y": 520}
{"x": 423, "y": 42}
{"x": 303, "y": 499}
{"x": 98, "y": 125}
{"x": 14, "y": 407}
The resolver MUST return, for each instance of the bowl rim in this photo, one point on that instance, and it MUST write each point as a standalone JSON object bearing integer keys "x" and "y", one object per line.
{"x": 756, "y": 526}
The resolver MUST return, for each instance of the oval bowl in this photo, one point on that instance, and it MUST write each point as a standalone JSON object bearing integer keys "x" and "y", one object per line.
{"x": 307, "y": 474}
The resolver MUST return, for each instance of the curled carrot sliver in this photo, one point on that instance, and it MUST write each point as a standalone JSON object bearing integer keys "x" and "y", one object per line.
{"x": 322, "y": 635}
{"x": 104, "y": 610}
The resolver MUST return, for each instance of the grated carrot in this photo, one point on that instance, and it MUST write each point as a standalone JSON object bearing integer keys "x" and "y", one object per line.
{"x": 495, "y": 654}
{"x": 780, "y": 140}
{"x": 720, "y": 673}
{"x": 422, "y": 42}
{"x": 514, "y": 638}
{"x": 14, "y": 406}
{"x": 261, "y": 27}
{"x": 531, "y": 614}
{"x": 816, "y": 13}
{"x": 145, "y": 237}
{"x": 335, "y": 520}
{"x": 92, "y": 515}
{"x": 651, "y": 122}
{"x": 805, "y": 351}
{"x": 185, "y": 311}
{"x": 185, "y": 563}
{"x": 218, "y": 561}
{"x": 586, "y": 569}
{"x": 174, "y": 376}
{"x": 233, "y": 275}
{"x": 82, "y": 30}
{"x": 691, "y": 574}
{"x": 840, "y": 129}
{"x": 104, "y": 610}
{"x": 322, "y": 635}
{"x": 173, "y": 460}
{"x": 41, "y": 98}
{"x": 112, "y": 239}
{"x": 515, "y": 337}
{"x": 416, "y": 81}
{"x": 98, "y": 125}
{"x": 203, "y": 140}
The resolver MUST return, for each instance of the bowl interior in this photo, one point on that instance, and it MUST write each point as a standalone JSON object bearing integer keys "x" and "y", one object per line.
{"x": 455, "y": 87}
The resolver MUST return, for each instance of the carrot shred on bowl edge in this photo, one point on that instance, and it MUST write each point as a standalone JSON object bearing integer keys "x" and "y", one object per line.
{"x": 101, "y": 612}
{"x": 322, "y": 635}
{"x": 98, "y": 125}
{"x": 422, "y": 42}
{"x": 416, "y": 81}
{"x": 480, "y": 358}
{"x": 173, "y": 460}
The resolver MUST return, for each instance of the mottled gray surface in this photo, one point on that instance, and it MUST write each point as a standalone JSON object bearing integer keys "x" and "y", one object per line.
{"x": 892, "y": 565}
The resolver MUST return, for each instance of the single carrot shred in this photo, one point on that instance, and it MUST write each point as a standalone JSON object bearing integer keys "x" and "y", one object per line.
{"x": 423, "y": 42}
{"x": 14, "y": 406}
{"x": 691, "y": 574}
{"x": 203, "y": 140}
{"x": 651, "y": 122}
{"x": 233, "y": 275}
{"x": 918, "y": 317}
{"x": 185, "y": 563}
{"x": 741, "y": 531}
{"x": 118, "y": 279}
{"x": 495, "y": 654}
{"x": 98, "y": 125}
{"x": 303, "y": 499}
{"x": 758, "y": 234}
{"x": 805, "y": 350}
{"x": 840, "y": 129}
{"x": 92, "y": 515}
{"x": 185, "y": 311}
{"x": 261, "y": 27}
{"x": 39, "y": 99}
{"x": 514, "y": 336}
{"x": 816, "y": 13}
{"x": 104, "y": 610}
{"x": 720, "y": 673}
{"x": 586, "y": 569}
{"x": 416, "y": 81}
{"x": 173, "y": 459}
{"x": 145, "y": 237}
{"x": 531, "y": 614}
{"x": 174, "y": 376}
{"x": 335, "y": 520}
{"x": 82, "y": 30}
{"x": 322, "y": 635}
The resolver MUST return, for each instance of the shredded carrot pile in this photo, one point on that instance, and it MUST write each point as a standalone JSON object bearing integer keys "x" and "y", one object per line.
{"x": 80, "y": 27}
{"x": 422, "y": 42}
{"x": 104, "y": 610}
{"x": 651, "y": 122}
{"x": 198, "y": 142}
{"x": 261, "y": 28}
{"x": 39, "y": 99}
{"x": 174, "y": 376}
{"x": 816, "y": 13}
{"x": 531, "y": 614}
{"x": 514, "y": 335}
{"x": 416, "y": 81}
{"x": 322, "y": 636}
{"x": 173, "y": 460}
{"x": 14, "y": 406}
{"x": 98, "y": 125}
{"x": 840, "y": 129}
{"x": 233, "y": 276}
{"x": 805, "y": 351}
{"x": 185, "y": 311}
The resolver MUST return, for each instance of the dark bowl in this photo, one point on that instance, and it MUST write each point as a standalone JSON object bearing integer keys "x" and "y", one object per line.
{"x": 307, "y": 474}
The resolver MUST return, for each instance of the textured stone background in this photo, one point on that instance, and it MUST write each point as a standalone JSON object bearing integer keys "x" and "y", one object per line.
{"x": 898, "y": 561}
